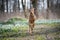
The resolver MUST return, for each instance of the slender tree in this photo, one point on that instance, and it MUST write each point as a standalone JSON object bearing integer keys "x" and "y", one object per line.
{"x": 47, "y": 10}
{"x": 2, "y": 6}
{"x": 7, "y": 5}
{"x": 18, "y": 5}
{"x": 15, "y": 5}
{"x": 48, "y": 3}
{"x": 57, "y": 3}
{"x": 24, "y": 7}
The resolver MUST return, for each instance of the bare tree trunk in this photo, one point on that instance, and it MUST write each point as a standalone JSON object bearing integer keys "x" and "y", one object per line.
{"x": 2, "y": 6}
{"x": 47, "y": 10}
{"x": 7, "y": 4}
{"x": 24, "y": 8}
{"x": 48, "y": 3}
{"x": 18, "y": 5}
{"x": 15, "y": 4}
{"x": 57, "y": 2}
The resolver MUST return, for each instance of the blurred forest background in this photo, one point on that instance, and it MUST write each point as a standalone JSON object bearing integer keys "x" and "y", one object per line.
{"x": 45, "y": 9}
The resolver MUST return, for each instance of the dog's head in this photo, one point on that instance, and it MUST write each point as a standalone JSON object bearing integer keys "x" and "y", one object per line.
{"x": 32, "y": 10}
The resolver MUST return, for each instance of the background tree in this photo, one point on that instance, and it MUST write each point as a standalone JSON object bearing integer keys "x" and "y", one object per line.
{"x": 7, "y": 4}
{"x": 15, "y": 5}
{"x": 2, "y": 6}
{"x": 24, "y": 7}
{"x": 18, "y": 5}
{"x": 47, "y": 10}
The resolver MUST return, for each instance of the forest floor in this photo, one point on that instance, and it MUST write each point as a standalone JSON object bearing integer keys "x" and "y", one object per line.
{"x": 40, "y": 32}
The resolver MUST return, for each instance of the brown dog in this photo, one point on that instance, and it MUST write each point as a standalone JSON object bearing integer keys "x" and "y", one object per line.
{"x": 31, "y": 20}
